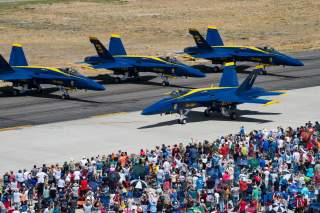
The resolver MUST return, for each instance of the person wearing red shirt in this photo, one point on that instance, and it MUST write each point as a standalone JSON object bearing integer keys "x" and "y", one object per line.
{"x": 83, "y": 186}
{"x": 243, "y": 188}
{"x": 242, "y": 206}
{"x": 224, "y": 150}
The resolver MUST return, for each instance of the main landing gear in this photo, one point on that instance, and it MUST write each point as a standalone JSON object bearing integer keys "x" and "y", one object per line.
{"x": 165, "y": 80}
{"x": 230, "y": 111}
{"x": 65, "y": 93}
{"x": 217, "y": 69}
{"x": 183, "y": 116}
{"x": 131, "y": 75}
{"x": 20, "y": 89}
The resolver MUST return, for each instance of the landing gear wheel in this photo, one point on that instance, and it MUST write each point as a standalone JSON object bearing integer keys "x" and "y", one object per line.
{"x": 207, "y": 113}
{"x": 15, "y": 92}
{"x": 182, "y": 121}
{"x": 117, "y": 80}
{"x": 234, "y": 116}
{"x": 137, "y": 78}
{"x": 66, "y": 97}
{"x": 216, "y": 69}
{"x": 165, "y": 83}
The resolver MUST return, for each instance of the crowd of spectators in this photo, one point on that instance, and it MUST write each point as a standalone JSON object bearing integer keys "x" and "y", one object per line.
{"x": 262, "y": 170}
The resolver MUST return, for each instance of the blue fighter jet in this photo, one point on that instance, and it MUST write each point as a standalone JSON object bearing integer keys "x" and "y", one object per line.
{"x": 222, "y": 99}
{"x": 25, "y": 77}
{"x": 213, "y": 49}
{"x": 130, "y": 65}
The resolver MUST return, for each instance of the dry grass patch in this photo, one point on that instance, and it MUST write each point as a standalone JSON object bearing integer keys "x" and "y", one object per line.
{"x": 56, "y": 34}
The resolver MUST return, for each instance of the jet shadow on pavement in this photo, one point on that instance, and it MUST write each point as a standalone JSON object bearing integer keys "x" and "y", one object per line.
{"x": 196, "y": 116}
{"x": 243, "y": 69}
{"x": 144, "y": 80}
{"x": 45, "y": 93}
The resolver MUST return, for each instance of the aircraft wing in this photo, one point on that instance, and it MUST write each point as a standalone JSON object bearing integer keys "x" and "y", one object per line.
{"x": 150, "y": 65}
{"x": 246, "y": 54}
{"x": 199, "y": 99}
{"x": 14, "y": 76}
{"x": 112, "y": 65}
{"x": 213, "y": 54}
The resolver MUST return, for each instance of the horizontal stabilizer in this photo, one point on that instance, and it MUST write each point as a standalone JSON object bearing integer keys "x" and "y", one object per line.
{"x": 271, "y": 102}
{"x": 241, "y": 99}
{"x": 213, "y": 37}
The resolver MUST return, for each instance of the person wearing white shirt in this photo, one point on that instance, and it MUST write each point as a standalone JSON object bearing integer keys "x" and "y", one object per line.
{"x": 61, "y": 183}
{"x": 57, "y": 173}
{"x": 166, "y": 166}
{"x": 19, "y": 177}
{"x": 77, "y": 174}
{"x": 41, "y": 177}
{"x": 16, "y": 197}
{"x": 83, "y": 162}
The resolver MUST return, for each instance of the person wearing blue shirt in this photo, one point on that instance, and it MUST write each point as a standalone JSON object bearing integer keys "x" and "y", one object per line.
{"x": 310, "y": 172}
{"x": 199, "y": 183}
{"x": 265, "y": 146}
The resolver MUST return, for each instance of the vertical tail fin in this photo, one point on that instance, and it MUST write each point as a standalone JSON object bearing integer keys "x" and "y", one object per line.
{"x": 101, "y": 49}
{"x": 249, "y": 81}
{"x": 17, "y": 56}
{"x": 116, "y": 46}
{"x": 213, "y": 37}
{"x": 4, "y": 66}
{"x": 229, "y": 76}
{"x": 200, "y": 41}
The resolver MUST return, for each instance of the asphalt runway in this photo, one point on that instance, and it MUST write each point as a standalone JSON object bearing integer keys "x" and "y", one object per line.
{"x": 129, "y": 131}
{"x": 33, "y": 109}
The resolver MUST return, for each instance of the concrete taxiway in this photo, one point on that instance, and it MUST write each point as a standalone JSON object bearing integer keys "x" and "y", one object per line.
{"x": 57, "y": 142}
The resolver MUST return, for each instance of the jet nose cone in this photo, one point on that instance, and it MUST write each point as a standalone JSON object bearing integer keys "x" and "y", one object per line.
{"x": 93, "y": 85}
{"x": 190, "y": 72}
{"x": 290, "y": 61}
{"x": 98, "y": 87}
{"x": 197, "y": 73}
{"x": 148, "y": 111}
{"x": 298, "y": 63}
{"x": 162, "y": 106}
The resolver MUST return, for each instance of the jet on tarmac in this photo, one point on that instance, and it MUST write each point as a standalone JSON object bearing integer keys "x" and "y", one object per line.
{"x": 25, "y": 77}
{"x": 116, "y": 59}
{"x": 212, "y": 48}
{"x": 222, "y": 99}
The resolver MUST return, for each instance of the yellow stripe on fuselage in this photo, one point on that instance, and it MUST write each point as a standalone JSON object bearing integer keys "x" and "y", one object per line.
{"x": 242, "y": 47}
{"x": 193, "y": 91}
{"x": 143, "y": 56}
